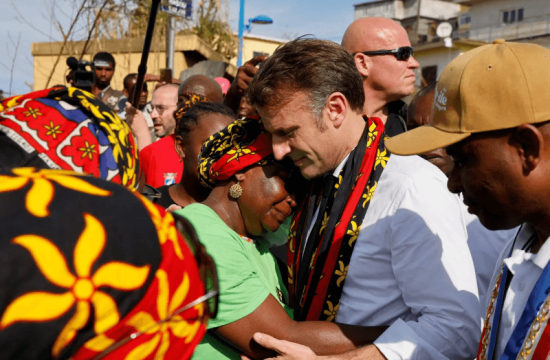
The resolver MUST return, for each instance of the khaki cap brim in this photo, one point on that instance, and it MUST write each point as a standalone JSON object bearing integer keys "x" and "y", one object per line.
{"x": 422, "y": 139}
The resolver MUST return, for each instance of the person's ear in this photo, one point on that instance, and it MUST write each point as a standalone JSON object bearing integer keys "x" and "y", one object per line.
{"x": 179, "y": 144}
{"x": 337, "y": 108}
{"x": 529, "y": 141}
{"x": 363, "y": 64}
{"x": 240, "y": 176}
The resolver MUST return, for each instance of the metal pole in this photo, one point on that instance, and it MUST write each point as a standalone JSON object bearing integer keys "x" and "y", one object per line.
{"x": 417, "y": 27}
{"x": 170, "y": 39}
{"x": 241, "y": 33}
{"x": 142, "y": 68}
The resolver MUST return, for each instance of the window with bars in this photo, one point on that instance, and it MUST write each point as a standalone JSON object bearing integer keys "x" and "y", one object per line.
{"x": 512, "y": 16}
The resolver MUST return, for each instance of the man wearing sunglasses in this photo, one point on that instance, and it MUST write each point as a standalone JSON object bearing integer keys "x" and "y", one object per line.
{"x": 384, "y": 57}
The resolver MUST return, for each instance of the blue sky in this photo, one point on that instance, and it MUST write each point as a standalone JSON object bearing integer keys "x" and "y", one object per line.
{"x": 323, "y": 18}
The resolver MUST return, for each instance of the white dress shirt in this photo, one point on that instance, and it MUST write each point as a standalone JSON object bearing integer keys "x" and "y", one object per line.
{"x": 526, "y": 269}
{"x": 485, "y": 246}
{"x": 411, "y": 268}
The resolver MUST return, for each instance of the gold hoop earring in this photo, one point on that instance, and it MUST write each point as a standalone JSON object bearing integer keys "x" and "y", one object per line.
{"x": 235, "y": 191}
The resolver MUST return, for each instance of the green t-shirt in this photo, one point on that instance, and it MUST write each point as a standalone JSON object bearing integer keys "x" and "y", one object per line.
{"x": 247, "y": 274}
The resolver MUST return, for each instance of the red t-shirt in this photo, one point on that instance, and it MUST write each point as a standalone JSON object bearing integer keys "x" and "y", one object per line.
{"x": 160, "y": 163}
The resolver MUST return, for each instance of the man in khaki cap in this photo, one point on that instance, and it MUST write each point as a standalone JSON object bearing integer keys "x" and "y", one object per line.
{"x": 492, "y": 114}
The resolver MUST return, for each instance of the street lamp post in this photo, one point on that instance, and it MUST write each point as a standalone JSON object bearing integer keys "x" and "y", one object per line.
{"x": 261, "y": 19}
{"x": 241, "y": 33}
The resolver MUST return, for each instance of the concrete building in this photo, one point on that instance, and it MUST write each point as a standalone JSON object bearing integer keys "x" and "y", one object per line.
{"x": 434, "y": 57}
{"x": 254, "y": 45}
{"x": 432, "y": 52}
{"x": 429, "y": 13}
{"x": 513, "y": 20}
{"x": 189, "y": 50}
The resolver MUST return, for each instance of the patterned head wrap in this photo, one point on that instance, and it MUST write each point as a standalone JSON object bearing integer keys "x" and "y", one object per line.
{"x": 240, "y": 145}
{"x": 69, "y": 129}
{"x": 182, "y": 109}
{"x": 76, "y": 280}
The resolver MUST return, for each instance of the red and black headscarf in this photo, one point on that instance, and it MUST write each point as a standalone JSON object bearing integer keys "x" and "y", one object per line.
{"x": 241, "y": 144}
{"x": 69, "y": 129}
{"x": 85, "y": 263}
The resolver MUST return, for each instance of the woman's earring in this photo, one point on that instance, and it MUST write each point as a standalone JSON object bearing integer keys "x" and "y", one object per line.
{"x": 235, "y": 191}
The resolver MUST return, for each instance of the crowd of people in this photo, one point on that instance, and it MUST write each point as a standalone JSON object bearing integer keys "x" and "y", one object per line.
{"x": 285, "y": 216}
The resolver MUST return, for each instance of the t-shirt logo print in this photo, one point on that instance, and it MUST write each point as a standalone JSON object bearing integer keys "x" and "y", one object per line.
{"x": 170, "y": 178}
{"x": 441, "y": 100}
{"x": 112, "y": 100}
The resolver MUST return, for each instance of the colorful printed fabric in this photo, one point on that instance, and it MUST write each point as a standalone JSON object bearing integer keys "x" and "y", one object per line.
{"x": 316, "y": 281}
{"x": 531, "y": 336}
{"x": 241, "y": 144}
{"x": 84, "y": 263}
{"x": 69, "y": 129}
{"x": 182, "y": 109}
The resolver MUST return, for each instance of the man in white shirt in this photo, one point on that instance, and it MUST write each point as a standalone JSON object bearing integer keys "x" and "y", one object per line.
{"x": 380, "y": 240}
{"x": 492, "y": 114}
{"x": 485, "y": 245}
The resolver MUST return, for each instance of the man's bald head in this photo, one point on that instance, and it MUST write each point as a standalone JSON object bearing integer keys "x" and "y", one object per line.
{"x": 200, "y": 85}
{"x": 386, "y": 77}
{"x": 370, "y": 34}
{"x": 420, "y": 108}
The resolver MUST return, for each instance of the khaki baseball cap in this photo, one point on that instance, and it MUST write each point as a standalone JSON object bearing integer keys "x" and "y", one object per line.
{"x": 495, "y": 86}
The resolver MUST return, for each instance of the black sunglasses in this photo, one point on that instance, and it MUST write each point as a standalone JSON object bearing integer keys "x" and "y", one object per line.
{"x": 401, "y": 54}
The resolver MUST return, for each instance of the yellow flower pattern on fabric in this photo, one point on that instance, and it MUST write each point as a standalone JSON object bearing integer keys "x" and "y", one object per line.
{"x": 164, "y": 225}
{"x": 312, "y": 262}
{"x": 292, "y": 237}
{"x": 337, "y": 186}
{"x": 371, "y": 136}
{"x": 356, "y": 180}
{"x": 381, "y": 158}
{"x": 290, "y": 275}
{"x": 32, "y": 112}
{"x": 332, "y": 311}
{"x": 324, "y": 223}
{"x": 370, "y": 192}
{"x": 354, "y": 232}
{"x": 82, "y": 287}
{"x": 42, "y": 191}
{"x": 88, "y": 150}
{"x": 145, "y": 323}
{"x": 342, "y": 272}
{"x": 238, "y": 123}
{"x": 238, "y": 152}
{"x": 53, "y": 130}
{"x": 222, "y": 145}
